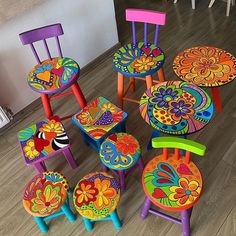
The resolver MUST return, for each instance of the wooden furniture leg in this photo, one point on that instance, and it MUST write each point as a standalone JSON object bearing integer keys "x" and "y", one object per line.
{"x": 46, "y": 105}
{"x": 120, "y": 90}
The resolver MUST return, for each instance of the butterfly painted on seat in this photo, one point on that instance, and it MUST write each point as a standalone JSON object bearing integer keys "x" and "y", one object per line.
{"x": 165, "y": 175}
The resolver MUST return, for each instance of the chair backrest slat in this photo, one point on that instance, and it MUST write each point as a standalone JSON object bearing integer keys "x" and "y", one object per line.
{"x": 59, "y": 46}
{"x": 35, "y": 53}
{"x": 134, "y": 32}
{"x": 46, "y": 47}
{"x": 145, "y": 34}
{"x": 156, "y": 35}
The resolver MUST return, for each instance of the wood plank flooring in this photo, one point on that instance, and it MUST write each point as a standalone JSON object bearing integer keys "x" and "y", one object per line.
{"x": 215, "y": 213}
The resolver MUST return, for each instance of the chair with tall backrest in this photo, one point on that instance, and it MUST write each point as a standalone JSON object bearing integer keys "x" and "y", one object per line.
{"x": 229, "y": 2}
{"x": 193, "y": 3}
{"x": 55, "y": 74}
{"x": 172, "y": 182}
{"x": 139, "y": 59}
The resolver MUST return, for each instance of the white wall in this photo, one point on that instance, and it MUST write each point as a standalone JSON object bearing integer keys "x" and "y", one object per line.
{"x": 89, "y": 30}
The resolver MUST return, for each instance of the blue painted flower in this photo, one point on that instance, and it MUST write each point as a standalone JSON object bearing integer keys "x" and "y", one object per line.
{"x": 53, "y": 177}
{"x": 127, "y": 57}
{"x": 43, "y": 68}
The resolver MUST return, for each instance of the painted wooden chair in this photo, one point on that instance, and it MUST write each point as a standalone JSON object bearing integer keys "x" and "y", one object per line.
{"x": 98, "y": 120}
{"x": 173, "y": 182}
{"x": 44, "y": 140}
{"x": 45, "y": 198}
{"x": 139, "y": 60}
{"x": 121, "y": 153}
{"x": 96, "y": 197}
{"x": 54, "y": 75}
{"x": 229, "y": 2}
{"x": 192, "y": 1}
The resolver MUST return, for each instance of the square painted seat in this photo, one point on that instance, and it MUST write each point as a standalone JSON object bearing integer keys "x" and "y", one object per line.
{"x": 43, "y": 140}
{"x": 98, "y": 120}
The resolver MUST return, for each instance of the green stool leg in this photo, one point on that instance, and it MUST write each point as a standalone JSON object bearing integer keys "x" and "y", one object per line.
{"x": 88, "y": 224}
{"x": 115, "y": 219}
{"x": 68, "y": 213}
{"x": 41, "y": 224}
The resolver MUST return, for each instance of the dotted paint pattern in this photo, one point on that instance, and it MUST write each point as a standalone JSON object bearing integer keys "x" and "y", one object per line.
{"x": 172, "y": 184}
{"x": 176, "y": 107}
{"x": 138, "y": 60}
{"x": 97, "y": 195}
{"x": 205, "y": 66}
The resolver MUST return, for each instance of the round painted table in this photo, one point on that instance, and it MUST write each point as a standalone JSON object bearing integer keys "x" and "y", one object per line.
{"x": 176, "y": 107}
{"x": 120, "y": 151}
{"x": 206, "y": 67}
{"x": 96, "y": 196}
{"x": 53, "y": 76}
{"x": 45, "y": 194}
{"x": 172, "y": 184}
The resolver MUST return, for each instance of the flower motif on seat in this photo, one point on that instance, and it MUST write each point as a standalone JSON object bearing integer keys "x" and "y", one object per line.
{"x": 186, "y": 192}
{"x": 129, "y": 56}
{"x": 30, "y": 150}
{"x": 85, "y": 193}
{"x": 180, "y": 109}
{"x": 109, "y": 107}
{"x": 52, "y": 127}
{"x": 144, "y": 63}
{"x": 126, "y": 144}
{"x": 164, "y": 95}
{"x": 46, "y": 199}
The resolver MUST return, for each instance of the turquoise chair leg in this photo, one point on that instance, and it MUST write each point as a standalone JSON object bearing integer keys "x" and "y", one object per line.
{"x": 41, "y": 224}
{"x": 68, "y": 213}
{"x": 115, "y": 219}
{"x": 88, "y": 224}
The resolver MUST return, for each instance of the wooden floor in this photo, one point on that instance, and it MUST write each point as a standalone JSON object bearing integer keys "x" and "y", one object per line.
{"x": 215, "y": 213}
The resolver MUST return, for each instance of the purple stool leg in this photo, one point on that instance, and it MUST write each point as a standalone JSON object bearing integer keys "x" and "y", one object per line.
{"x": 190, "y": 212}
{"x": 140, "y": 164}
{"x": 145, "y": 208}
{"x": 104, "y": 168}
{"x": 185, "y": 222}
{"x": 121, "y": 174}
{"x": 69, "y": 157}
{"x": 40, "y": 167}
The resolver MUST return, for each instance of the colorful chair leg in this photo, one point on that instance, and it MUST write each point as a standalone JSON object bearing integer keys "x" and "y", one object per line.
{"x": 217, "y": 99}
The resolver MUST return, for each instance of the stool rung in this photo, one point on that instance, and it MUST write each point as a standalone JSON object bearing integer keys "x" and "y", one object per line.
{"x": 61, "y": 95}
{"x": 130, "y": 100}
{"x": 165, "y": 216}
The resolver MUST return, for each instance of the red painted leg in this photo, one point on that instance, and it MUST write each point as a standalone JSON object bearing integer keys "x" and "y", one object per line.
{"x": 149, "y": 81}
{"x": 79, "y": 95}
{"x": 120, "y": 90}
{"x": 46, "y": 105}
{"x": 132, "y": 81}
{"x": 216, "y": 98}
{"x": 161, "y": 75}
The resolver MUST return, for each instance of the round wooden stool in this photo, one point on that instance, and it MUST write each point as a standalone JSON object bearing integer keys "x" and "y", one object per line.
{"x": 121, "y": 153}
{"x": 96, "y": 197}
{"x": 45, "y": 197}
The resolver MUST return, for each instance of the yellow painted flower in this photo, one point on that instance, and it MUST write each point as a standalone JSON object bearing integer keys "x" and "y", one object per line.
{"x": 52, "y": 127}
{"x": 30, "y": 150}
{"x": 185, "y": 193}
{"x": 144, "y": 63}
{"x": 108, "y": 107}
{"x": 105, "y": 193}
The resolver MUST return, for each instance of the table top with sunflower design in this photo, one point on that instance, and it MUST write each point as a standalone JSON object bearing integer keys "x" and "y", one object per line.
{"x": 53, "y": 75}
{"x": 172, "y": 184}
{"x": 40, "y": 140}
{"x": 176, "y": 107}
{"x": 205, "y": 66}
{"x": 45, "y": 194}
{"x": 120, "y": 151}
{"x": 99, "y": 117}
{"x": 138, "y": 60}
{"x": 97, "y": 195}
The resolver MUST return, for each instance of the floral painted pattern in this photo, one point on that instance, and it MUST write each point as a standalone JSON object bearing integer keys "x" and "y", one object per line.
{"x": 176, "y": 107}
{"x": 97, "y": 195}
{"x": 99, "y": 117}
{"x": 41, "y": 139}
{"x": 172, "y": 184}
{"x": 53, "y": 74}
{"x": 120, "y": 151}
{"x": 138, "y": 59}
{"x": 43, "y": 197}
{"x": 205, "y": 66}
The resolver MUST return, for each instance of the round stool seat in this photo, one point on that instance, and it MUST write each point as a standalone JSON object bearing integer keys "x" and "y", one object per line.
{"x": 172, "y": 184}
{"x": 96, "y": 196}
{"x": 120, "y": 151}
{"x": 45, "y": 194}
{"x": 53, "y": 76}
{"x": 138, "y": 60}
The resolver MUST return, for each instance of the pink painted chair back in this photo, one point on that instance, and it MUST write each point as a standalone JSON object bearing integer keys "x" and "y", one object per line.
{"x": 146, "y": 17}
{"x": 42, "y": 33}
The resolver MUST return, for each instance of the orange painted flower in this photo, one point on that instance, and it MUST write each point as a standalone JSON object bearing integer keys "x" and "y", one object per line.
{"x": 52, "y": 127}
{"x": 105, "y": 193}
{"x": 126, "y": 144}
{"x": 85, "y": 193}
{"x": 85, "y": 117}
{"x": 142, "y": 64}
{"x": 186, "y": 192}
{"x": 109, "y": 107}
